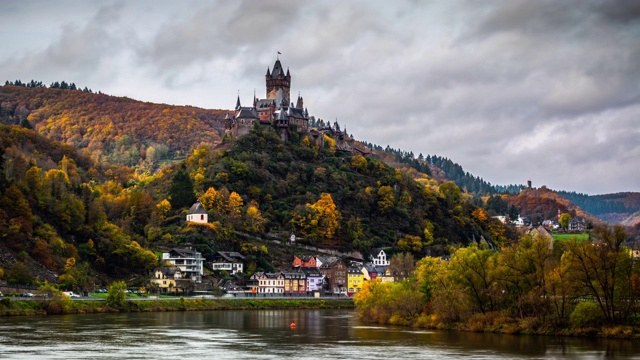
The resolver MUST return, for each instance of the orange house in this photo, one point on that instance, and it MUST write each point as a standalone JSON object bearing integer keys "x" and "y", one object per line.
{"x": 304, "y": 261}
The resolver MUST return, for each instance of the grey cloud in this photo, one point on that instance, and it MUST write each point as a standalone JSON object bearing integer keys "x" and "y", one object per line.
{"x": 77, "y": 52}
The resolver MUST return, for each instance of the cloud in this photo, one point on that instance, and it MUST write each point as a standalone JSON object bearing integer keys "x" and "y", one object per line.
{"x": 511, "y": 90}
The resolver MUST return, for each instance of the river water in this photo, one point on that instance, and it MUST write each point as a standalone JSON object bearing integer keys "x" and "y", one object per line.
{"x": 265, "y": 334}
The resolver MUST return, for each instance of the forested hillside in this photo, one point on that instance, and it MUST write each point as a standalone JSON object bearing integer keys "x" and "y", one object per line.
{"x": 62, "y": 215}
{"x": 446, "y": 169}
{"x": 81, "y": 220}
{"x": 111, "y": 130}
{"x": 615, "y": 208}
{"x": 327, "y": 198}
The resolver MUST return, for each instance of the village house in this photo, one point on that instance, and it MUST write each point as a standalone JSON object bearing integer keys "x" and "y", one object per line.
{"x": 385, "y": 275}
{"x": 188, "y": 260}
{"x": 232, "y": 288}
{"x": 551, "y": 224}
{"x": 521, "y": 221}
{"x": 335, "y": 272}
{"x": 197, "y": 214}
{"x": 304, "y": 261}
{"x": 295, "y": 282}
{"x": 232, "y": 262}
{"x": 369, "y": 272}
{"x": 266, "y": 283}
{"x": 168, "y": 279}
{"x": 315, "y": 279}
{"x": 577, "y": 225}
{"x": 378, "y": 257}
{"x": 542, "y": 231}
{"x": 356, "y": 280}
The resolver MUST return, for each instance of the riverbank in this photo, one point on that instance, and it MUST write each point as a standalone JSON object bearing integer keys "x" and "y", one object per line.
{"x": 494, "y": 323}
{"x": 11, "y": 307}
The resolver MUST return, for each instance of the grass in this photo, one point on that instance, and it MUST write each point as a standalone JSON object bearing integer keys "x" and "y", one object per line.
{"x": 565, "y": 237}
{"x": 34, "y": 307}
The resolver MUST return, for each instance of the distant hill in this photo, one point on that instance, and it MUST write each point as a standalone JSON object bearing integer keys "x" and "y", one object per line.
{"x": 619, "y": 208}
{"x": 112, "y": 130}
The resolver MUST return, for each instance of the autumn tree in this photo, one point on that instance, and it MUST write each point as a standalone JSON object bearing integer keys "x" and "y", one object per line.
{"x": 254, "y": 221}
{"x": 474, "y": 269}
{"x": 523, "y": 271}
{"x": 402, "y": 265}
{"x": 410, "y": 243}
{"x": 319, "y": 220}
{"x": 564, "y": 220}
{"x": 602, "y": 269}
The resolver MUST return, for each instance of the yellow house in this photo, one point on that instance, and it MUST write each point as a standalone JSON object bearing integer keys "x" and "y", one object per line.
{"x": 165, "y": 278}
{"x": 355, "y": 280}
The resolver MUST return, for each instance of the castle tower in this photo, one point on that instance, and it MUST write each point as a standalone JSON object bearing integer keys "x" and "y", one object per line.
{"x": 277, "y": 80}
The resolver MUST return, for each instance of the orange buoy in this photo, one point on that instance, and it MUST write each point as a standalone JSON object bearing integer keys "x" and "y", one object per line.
{"x": 293, "y": 324}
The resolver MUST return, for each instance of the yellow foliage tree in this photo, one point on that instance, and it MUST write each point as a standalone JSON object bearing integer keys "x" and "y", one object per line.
{"x": 386, "y": 199}
{"x": 213, "y": 200}
{"x": 254, "y": 222}
{"x": 320, "y": 220}
{"x": 328, "y": 216}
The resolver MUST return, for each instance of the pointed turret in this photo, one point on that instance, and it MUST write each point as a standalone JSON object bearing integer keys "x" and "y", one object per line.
{"x": 268, "y": 72}
{"x": 238, "y": 106}
{"x": 300, "y": 104}
{"x": 277, "y": 80}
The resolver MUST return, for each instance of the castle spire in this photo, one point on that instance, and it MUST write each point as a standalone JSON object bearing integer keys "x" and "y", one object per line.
{"x": 238, "y": 106}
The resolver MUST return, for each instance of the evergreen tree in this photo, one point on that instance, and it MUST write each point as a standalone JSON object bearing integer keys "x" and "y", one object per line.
{"x": 181, "y": 191}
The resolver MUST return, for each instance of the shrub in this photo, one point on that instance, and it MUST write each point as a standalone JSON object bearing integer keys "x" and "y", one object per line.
{"x": 586, "y": 314}
{"x": 116, "y": 294}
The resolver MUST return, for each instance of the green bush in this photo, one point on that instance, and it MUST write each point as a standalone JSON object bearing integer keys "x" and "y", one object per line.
{"x": 586, "y": 314}
{"x": 116, "y": 294}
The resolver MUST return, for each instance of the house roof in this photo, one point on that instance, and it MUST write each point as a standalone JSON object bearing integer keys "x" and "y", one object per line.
{"x": 230, "y": 256}
{"x": 311, "y": 271}
{"x": 184, "y": 252}
{"x": 329, "y": 262}
{"x": 168, "y": 271}
{"x": 375, "y": 251}
{"x": 196, "y": 209}
{"x": 294, "y": 275}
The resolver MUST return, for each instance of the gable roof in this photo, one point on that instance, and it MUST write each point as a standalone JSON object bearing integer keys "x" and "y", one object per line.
{"x": 168, "y": 271}
{"x": 196, "y": 209}
{"x": 230, "y": 256}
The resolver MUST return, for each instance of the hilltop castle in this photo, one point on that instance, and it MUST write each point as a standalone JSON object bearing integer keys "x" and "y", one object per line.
{"x": 279, "y": 111}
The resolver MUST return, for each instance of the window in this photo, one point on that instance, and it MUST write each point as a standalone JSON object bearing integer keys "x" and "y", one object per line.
{"x": 201, "y": 217}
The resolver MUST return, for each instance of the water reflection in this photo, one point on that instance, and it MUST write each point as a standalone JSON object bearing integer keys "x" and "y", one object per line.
{"x": 267, "y": 335}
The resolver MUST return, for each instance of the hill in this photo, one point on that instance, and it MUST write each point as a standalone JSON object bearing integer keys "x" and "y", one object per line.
{"x": 59, "y": 211}
{"x": 619, "y": 208}
{"x": 111, "y": 130}
{"x": 328, "y": 198}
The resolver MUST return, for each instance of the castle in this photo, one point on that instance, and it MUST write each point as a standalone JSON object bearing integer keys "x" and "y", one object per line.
{"x": 279, "y": 111}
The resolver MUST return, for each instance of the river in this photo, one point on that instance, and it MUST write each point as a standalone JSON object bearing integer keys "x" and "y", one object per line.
{"x": 265, "y": 334}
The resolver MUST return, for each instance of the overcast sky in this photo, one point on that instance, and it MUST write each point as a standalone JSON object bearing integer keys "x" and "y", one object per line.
{"x": 511, "y": 90}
